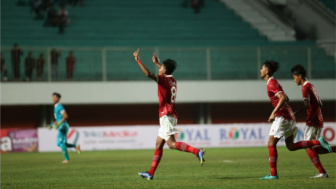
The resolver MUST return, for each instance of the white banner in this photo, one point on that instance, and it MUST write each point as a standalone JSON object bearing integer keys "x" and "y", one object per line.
{"x": 101, "y": 138}
{"x": 144, "y": 137}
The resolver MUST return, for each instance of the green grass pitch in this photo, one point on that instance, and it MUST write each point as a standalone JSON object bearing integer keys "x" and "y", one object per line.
{"x": 224, "y": 168}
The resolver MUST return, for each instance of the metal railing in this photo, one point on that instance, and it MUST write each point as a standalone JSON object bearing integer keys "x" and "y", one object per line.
{"x": 194, "y": 63}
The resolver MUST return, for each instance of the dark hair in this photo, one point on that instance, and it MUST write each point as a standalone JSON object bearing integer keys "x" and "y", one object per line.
{"x": 299, "y": 70}
{"x": 170, "y": 66}
{"x": 272, "y": 66}
{"x": 57, "y": 94}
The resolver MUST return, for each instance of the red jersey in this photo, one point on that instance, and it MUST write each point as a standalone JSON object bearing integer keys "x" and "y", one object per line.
{"x": 273, "y": 89}
{"x": 314, "y": 113}
{"x": 167, "y": 90}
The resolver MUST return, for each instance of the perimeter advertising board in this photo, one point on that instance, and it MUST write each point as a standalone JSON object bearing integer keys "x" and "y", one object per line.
{"x": 143, "y": 137}
{"x": 19, "y": 140}
{"x": 101, "y": 138}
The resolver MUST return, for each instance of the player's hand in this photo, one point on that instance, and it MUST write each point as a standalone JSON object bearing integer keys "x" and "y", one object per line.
{"x": 271, "y": 117}
{"x": 296, "y": 113}
{"x": 155, "y": 59}
{"x": 136, "y": 55}
{"x": 57, "y": 125}
{"x": 49, "y": 127}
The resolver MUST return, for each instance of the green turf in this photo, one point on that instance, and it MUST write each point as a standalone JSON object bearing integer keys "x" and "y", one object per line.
{"x": 224, "y": 168}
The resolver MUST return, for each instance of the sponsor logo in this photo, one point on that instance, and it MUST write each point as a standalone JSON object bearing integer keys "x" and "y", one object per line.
{"x": 73, "y": 134}
{"x": 18, "y": 140}
{"x": 233, "y": 133}
{"x": 193, "y": 135}
{"x": 6, "y": 144}
{"x": 110, "y": 134}
{"x": 179, "y": 136}
{"x": 329, "y": 133}
{"x": 252, "y": 133}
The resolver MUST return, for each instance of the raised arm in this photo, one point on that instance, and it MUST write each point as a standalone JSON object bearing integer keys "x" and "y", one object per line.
{"x": 156, "y": 61}
{"x": 143, "y": 67}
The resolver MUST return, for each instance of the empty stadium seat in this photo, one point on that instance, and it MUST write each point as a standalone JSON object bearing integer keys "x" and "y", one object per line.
{"x": 151, "y": 24}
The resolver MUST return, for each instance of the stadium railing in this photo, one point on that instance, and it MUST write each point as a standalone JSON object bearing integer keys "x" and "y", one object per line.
{"x": 194, "y": 63}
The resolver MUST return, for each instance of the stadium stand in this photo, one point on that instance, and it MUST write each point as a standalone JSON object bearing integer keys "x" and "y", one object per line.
{"x": 129, "y": 23}
{"x": 162, "y": 24}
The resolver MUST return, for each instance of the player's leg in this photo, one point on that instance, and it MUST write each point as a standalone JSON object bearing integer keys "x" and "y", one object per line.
{"x": 309, "y": 134}
{"x": 317, "y": 163}
{"x": 306, "y": 144}
{"x": 157, "y": 155}
{"x": 314, "y": 133}
{"x": 70, "y": 145}
{"x": 321, "y": 150}
{"x": 156, "y": 159}
{"x": 273, "y": 154}
{"x": 272, "y": 157}
{"x": 74, "y": 145}
{"x": 289, "y": 130}
{"x": 167, "y": 132}
{"x": 61, "y": 142}
{"x": 274, "y": 136}
{"x": 77, "y": 146}
{"x": 181, "y": 146}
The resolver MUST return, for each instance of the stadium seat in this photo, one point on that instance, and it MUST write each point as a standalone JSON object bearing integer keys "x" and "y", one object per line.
{"x": 149, "y": 24}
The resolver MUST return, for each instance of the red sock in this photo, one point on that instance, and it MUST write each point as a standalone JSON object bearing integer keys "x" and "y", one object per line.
{"x": 156, "y": 160}
{"x": 305, "y": 144}
{"x": 321, "y": 150}
{"x": 315, "y": 159}
{"x": 186, "y": 148}
{"x": 273, "y": 157}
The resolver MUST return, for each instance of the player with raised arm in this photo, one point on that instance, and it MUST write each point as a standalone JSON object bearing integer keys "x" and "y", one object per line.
{"x": 283, "y": 120}
{"x": 314, "y": 121}
{"x": 167, "y": 90}
{"x": 62, "y": 126}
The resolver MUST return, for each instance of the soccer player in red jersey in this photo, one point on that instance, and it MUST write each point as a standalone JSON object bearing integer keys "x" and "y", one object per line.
{"x": 167, "y": 90}
{"x": 283, "y": 120}
{"x": 314, "y": 122}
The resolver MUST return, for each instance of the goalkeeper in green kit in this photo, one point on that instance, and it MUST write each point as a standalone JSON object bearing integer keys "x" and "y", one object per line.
{"x": 62, "y": 126}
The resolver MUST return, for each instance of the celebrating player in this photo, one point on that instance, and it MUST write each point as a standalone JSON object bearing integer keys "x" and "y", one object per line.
{"x": 167, "y": 90}
{"x": 314, "y": 121}
{"x": 283, "y": 120}
{"x": 62, "y": 125}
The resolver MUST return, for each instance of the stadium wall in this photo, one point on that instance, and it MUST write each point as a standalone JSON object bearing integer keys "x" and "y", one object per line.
{"x": 33, "y": 116}
{"x": 146, "y": 92}
{"x": 28, "y": 105}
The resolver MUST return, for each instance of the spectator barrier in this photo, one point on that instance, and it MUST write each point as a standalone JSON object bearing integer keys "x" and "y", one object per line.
{"x": 143, "y": 137}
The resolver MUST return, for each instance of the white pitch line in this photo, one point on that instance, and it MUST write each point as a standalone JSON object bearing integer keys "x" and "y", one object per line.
{"x": 228, "y": 161}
